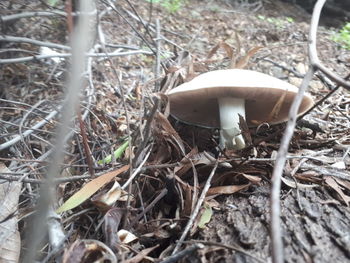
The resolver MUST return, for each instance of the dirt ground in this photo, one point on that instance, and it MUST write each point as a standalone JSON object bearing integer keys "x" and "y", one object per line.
{"x": 315, "y": 194}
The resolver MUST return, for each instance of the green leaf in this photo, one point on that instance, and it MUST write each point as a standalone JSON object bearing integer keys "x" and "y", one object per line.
{"x": 117, "y": 153}
{"x": 52, "y": 2}
{"x": 89, "y": 189}
{"x": 206, "y": 216}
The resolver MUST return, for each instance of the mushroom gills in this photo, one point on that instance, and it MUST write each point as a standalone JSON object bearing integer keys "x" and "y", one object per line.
{"x": 230, "y": 132}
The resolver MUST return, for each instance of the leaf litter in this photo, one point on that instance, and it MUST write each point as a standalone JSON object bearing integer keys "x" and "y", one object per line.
{"x": 161, "y": 198}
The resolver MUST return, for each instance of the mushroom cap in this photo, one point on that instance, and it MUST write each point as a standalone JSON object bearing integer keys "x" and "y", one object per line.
{"x": 196, "y": 101}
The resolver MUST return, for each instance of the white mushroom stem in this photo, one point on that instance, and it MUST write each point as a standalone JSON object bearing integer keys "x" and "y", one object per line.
{"x": 230, "y": 133}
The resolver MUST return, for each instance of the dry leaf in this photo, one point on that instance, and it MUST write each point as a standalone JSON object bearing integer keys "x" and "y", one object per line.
{"x": 194, "y": 158}
{"x": 106, "y": 200}
{"x": 228, "y": 49}
{"x": 89, "y": 189}
{"x": 243, "y": 62}
{"x": 252, "y": 178}
{"x": 125, "y": 236}
{"x": 164, "y": 130}
{"x": 334, "y": 185}
{"x": 226, "y": 190}
{"x": 111, "y": 224}
{"x": 87, "y": 251}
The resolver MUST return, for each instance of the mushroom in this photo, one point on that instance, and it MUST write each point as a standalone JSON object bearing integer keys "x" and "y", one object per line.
{"x": 216, "y": 99}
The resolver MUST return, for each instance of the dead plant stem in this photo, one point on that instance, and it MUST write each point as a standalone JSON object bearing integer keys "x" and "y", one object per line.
{"x": 275, "y": 225}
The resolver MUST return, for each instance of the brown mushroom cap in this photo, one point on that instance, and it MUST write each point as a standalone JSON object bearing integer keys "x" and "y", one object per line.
{"x": 196, "y": 101}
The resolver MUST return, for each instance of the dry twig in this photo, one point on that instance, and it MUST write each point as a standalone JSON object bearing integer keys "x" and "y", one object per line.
{"x": 276, "y": 233}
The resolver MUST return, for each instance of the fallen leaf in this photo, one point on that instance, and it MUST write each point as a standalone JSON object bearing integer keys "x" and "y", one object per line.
{"x": 88, "y": 250}
{"x": 206, "y": 216}
{"x": 252, "y": 178}
{"x": 243, "y": 62}
{"x": 334, "y": 185}
{"x": 110, "y": 228}
{"x": 195, "y": 158}
{"x": 228, "y": 49}
{"x": 293, "y": 184}
{"x": 227, "y": 189}
{"x": 125, "y": 236}
{"x": 105, "y": 200}
{"x": 89, "y": 189}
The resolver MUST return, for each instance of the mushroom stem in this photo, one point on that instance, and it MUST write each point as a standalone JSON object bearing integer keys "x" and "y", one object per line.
{"x": 230, "y": 133}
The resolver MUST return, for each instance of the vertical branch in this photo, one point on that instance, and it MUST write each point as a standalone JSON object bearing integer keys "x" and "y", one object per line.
{"x": 275, "y": 225}
{"x": 80, "y": 40}
{"x": 157, "y": 69}
{"x": 276, "y": 233}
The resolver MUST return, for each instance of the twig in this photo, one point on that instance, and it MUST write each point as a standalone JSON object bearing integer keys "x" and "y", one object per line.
{"x": 328, "y": 171}
{"x": 276, "y": 234}
{"x": 85, "y": 144}
{"x": 5, "y": 38}
{"x": 234, "y": 248}
{"x": 10, "y": 177}
{"x": 136, "y": 172}
{"x": 196, "y": 209}
{"x": 275, "y": 227}
{"x": 178, "y": 256}
{"x": 158, "y": 46}
{"x": 30, "y": 131}
{"x": 67, "y": 55}
{"x": 314, "y": 60}
{"x": 318, "y": 103}
{"x": 9, "y": 18}
{"x": 80, "y": 41}
{"x": 294, "y": 72}
{"x": 150, "y": 206}
{"x": 132, "y": 27}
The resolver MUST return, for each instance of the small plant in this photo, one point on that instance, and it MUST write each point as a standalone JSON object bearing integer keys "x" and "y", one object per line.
{"x": 278, "y": 22}
{"x": 52, "y": 2}
{"x": 171, "y": 6}
{"x": 343, "y": 36}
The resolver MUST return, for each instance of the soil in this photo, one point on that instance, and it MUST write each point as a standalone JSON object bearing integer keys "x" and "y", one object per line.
{"x": 315, "y": 211}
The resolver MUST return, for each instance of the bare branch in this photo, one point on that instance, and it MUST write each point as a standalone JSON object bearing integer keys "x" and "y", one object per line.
{"x": 81, "y": 39}
{"x": 314, "y": 60}
{"x": 32, "y": 41}
{"x": 65, "y": 55}
{"x": 276, "y": 234}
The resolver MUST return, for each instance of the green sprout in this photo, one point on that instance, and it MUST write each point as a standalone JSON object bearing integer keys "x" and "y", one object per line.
{"x": 171, "y": 6}
{"x": 117, "y": 153}
{"x": 278, "y": 22}
{"x": 343, "y": 36}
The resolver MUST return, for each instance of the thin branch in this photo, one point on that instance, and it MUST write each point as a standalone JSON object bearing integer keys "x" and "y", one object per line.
{"x": 80, "y": 40}
{"x": 158, "y": 47}
{"x": 66, "y": 55}
{"x": 314, "y": 60}
{"x": 275, "y": 225}
{"x": 9, "y": 18}
{"x": 30, "y": 131}
{"x": 136, "y": 172}
{"x": 32, "y": 41}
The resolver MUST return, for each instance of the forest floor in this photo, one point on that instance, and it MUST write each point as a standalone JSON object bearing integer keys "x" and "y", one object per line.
{"x": 175, "y": 159}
